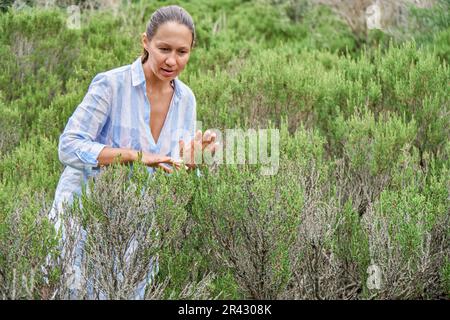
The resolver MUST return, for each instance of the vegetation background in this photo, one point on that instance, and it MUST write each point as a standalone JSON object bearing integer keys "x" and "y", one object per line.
{"x": 359, "y": 208}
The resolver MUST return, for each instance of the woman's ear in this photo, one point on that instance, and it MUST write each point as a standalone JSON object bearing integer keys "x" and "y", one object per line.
{"x": 144, "y": 41}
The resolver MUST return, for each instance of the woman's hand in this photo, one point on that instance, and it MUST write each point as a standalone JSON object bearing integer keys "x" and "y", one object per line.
{"x": 192, "y": 153}
{"x": 158, "y": 161}
{"x": 109, "y": 155}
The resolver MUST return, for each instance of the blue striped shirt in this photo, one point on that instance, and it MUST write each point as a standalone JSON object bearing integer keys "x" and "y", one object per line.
{"x": 116, "y": 112}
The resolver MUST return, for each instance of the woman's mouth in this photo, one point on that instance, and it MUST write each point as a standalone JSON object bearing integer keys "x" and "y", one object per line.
{"x": 167, "y": 72}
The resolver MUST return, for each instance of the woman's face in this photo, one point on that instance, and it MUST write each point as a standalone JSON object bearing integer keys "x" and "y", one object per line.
{"x": 169, "y": 50}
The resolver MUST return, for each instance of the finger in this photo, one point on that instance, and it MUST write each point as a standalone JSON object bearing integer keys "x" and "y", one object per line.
{"x": 166, "y": 160}
{"x": 212, "y": 148}
{"x": 209, "y": 147}
{"x": 166, "y": 169}
{"x": 191, "y": 166}
{"x": 177, "y": 165}
{"x": 211, "y": 139}
{"x": 209, "y": 136}
{"x": 206, "y": 135}
{"x": 188, "y": 149}
{"x": 197, "y": 152}
{"x": 194, "y": 148}
{"x": 198, "y": 136}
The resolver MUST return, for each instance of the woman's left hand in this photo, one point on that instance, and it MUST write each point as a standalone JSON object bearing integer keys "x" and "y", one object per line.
{"x": 192, "y": 153}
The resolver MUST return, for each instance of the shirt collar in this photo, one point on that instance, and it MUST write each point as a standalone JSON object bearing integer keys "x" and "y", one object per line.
{"x": 138, "y": 76}
{"x": 137, "y": 72}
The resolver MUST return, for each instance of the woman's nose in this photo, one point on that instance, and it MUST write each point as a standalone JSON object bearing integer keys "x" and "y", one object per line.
{"x": 170, "y": 61}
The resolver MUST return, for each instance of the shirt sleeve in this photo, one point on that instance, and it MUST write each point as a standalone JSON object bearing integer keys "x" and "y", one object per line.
{"x": 77, "y": 146}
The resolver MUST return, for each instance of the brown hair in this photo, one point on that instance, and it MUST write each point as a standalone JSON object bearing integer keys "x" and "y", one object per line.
{"x": 168, "y": 14}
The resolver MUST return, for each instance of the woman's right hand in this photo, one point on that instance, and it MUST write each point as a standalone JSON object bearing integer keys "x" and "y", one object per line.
{"x": 158, "y": 161}
{"x": 108, "y": 155}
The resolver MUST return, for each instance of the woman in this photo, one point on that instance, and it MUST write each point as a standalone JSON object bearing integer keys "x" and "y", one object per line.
{"x": 142, "y": 108}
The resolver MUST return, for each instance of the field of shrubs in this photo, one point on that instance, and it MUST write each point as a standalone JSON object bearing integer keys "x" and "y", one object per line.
{"x": 359, "y": 207}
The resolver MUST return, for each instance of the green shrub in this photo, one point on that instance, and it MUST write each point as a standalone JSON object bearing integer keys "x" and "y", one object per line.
{"x": 251, "y": 224}
{"x": 409, "y": 238}
{"x": 27, "y": 238}
{"x": 130, "y": 218}
{"x": 32, "y": 167}
{"x": 9, "y": 128}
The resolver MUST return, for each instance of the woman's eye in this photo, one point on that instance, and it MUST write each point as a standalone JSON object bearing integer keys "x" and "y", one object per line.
{"x": 164, "y": 49}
